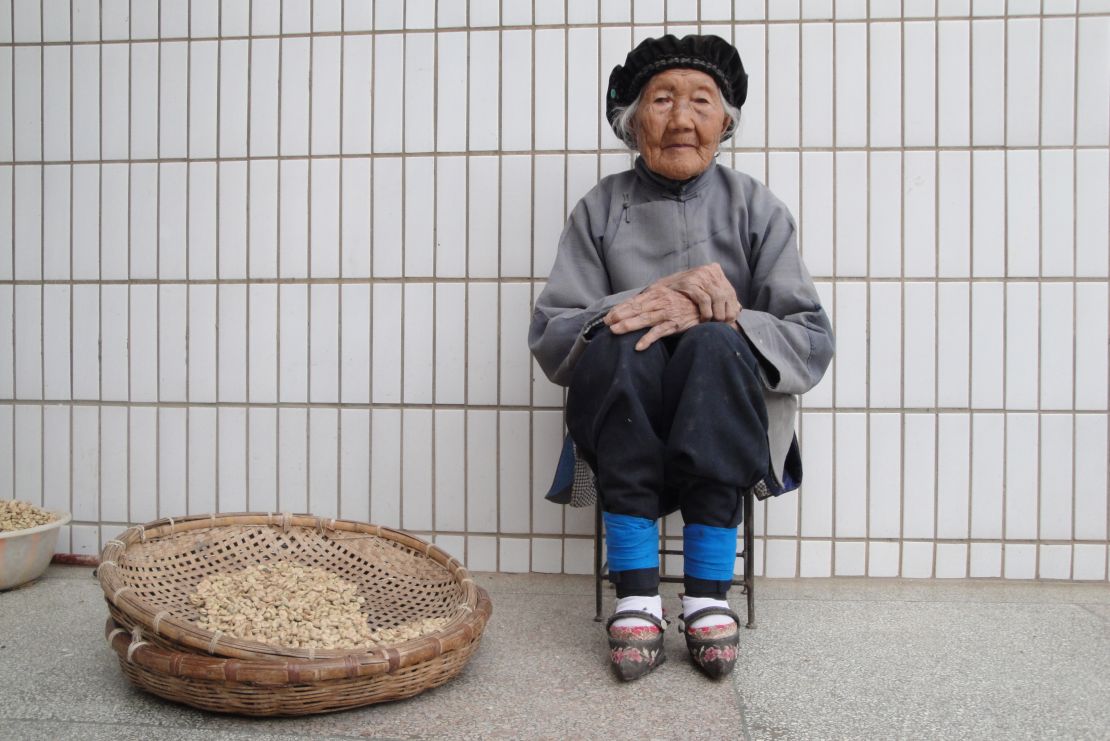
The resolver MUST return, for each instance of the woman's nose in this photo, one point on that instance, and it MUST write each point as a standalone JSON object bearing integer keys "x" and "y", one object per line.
{"x": 681, "y": 115}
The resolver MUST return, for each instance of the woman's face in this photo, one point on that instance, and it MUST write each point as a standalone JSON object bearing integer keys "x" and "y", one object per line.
{"x": 680, "y": 122}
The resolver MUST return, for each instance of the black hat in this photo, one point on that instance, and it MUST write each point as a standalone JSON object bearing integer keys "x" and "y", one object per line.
{"x": 710, "y": 54}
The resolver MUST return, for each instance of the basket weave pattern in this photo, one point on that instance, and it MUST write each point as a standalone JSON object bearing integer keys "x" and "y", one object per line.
{"x": 148, "y": 574}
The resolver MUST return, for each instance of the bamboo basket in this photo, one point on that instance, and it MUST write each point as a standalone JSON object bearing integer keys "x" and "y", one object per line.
{"x": 268, "y": 687}
{"x": 148, "y": 573}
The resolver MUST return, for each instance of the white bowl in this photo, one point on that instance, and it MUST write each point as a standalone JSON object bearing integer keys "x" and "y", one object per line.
{"x": 25, "y": 554}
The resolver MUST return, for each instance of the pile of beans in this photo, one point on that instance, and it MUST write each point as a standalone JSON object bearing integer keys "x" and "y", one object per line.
{"x": 296, "y": 606}
{"x": 16, "y": 515}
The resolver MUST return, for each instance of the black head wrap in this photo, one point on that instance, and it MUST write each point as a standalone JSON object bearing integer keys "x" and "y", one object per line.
{"x": 710, "y": 54}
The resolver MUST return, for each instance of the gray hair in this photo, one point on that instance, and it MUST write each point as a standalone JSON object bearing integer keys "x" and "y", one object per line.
{"x": 624, "y": 119}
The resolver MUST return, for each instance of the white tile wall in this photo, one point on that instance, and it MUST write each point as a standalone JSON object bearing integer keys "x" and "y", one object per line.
{"x": 919, "y": 465}
{"x": 988, "y": 449}
{"x": 884, "y": 464}
{"x": 292, "y": 267}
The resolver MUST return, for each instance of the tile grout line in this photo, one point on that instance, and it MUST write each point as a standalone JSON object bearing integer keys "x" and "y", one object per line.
{"x": 431, "y": 154}
{"x": 1038, "y": 487}
{"x": 341, "y": 247}
{"x": 466, "y": 301}
{"x": 42, "y": 267}
{"x": 834, "y": 292}
{"x": 867, "y": 299}
{"x": 247, "y": 240}
{"x": 309, "y": 271}
{"x": 428, "y": 30}
{"x": 279, "y": 505}
{"x": 181, "y": 403}
{"x": 1038, "y": 493}
{"x": 767, "y": 168}
{"x": 902, "y": 452}
{"x": 188, "y": 255}
{"x": 785, "y": 539}
{"x": 1005, "y": 524}
{"x": 130, "y": 180}
{"x": 1075, "y": 305}
{"x": 800, "y": 418}
{"x": 100, "y": 265}
{"x": 936, "y": 298}
{"x": 216, "y": 462}
{"x": 501, "y": 293}
{"x": 1076, "y": 40}
{"x": 1073, "y": 520}
{"x": 514, "y": 280}
{"x": 404, "y": 295}
{"x": 436, "y": 305}
{"x": 433, "y": 443}
{"x": 372, "y": 218}
{"x": 1106, "y": 532}
{"x": 970, "y": 295}
{"x": 72, "y": 190}
{"x": 157, "y": 416}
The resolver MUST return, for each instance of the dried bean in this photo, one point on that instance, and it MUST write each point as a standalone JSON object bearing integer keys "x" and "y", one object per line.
{"x": 295, "y": 606}
{"x": 17, "y": 515}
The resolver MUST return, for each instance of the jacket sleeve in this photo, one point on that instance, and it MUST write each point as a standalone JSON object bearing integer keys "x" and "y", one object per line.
{"x": 784, "y": 322}
{"x": 577, "y": 296}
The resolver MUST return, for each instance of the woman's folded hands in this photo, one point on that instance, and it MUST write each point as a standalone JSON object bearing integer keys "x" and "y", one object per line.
{"x": 675, "y": 303}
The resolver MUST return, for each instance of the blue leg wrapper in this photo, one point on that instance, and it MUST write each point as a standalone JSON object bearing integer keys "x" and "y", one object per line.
{"x": 709, "y": 552}
{"x": 632, "y": 542}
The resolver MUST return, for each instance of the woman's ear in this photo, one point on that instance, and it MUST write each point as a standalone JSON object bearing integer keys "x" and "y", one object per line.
{"x": 725, "y": 126}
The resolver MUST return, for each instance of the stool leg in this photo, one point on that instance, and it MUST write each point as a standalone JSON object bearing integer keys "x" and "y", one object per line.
{"x": 749, "y": 552}
{"x": 597, "y": 560}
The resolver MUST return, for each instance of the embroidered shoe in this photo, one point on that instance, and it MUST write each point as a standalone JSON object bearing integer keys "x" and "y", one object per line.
{"x": 714, "y": 648}
{"x": 635, "y": 650}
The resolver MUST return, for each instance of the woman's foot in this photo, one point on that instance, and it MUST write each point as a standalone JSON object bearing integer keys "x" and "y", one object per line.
{"x": 712, "y": 636}
{"x": 636, "y": 637}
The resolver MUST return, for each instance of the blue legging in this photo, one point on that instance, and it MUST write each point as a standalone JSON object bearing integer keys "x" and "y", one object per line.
{"x": 632, "y": 543}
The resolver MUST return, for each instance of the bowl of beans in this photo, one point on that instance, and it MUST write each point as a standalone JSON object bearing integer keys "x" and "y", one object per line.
{"x": 28, "y": 537}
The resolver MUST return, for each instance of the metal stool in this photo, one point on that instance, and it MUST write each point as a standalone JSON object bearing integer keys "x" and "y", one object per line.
{"x": 747, "y": 583}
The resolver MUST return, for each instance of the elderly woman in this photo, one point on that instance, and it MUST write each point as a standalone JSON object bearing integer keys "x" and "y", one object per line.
{"x": 681, "y": 317}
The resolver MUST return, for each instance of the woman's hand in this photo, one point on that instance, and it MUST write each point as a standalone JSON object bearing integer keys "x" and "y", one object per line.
{"x": 664, "y": 309}
{"x": 707, "y": 287}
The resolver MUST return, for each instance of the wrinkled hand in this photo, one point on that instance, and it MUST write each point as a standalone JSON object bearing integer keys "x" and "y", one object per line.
{"x": 709, "y": 289}
{"x": 664, "y": 309}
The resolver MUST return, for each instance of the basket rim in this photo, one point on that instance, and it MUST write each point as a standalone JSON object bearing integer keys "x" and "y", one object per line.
{"x": 472, "y": 615}
{"x": 129, "y": 646}
{"x": 61, "y": 517}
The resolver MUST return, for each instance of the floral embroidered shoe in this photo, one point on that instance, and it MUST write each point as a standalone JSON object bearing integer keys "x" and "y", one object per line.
{"x": 714, "y": 648}
{"x": 635, "y": 650}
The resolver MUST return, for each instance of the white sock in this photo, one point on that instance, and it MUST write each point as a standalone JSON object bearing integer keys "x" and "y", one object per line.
{"x": 690, "y": 605}
{"x": 654, "y": 605}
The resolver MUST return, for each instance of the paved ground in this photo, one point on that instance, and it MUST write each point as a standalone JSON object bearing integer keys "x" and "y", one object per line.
{"x": 833, "y": 659}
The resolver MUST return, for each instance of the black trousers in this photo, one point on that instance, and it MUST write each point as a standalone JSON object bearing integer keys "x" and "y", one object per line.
{"x": 679, "y": 426}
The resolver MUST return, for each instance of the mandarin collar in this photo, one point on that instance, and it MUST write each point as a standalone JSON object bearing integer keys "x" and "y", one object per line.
{"x": 677, "y": 189}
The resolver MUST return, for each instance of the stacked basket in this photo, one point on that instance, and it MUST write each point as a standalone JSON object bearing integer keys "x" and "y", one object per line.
{"x": 148, "y": 574}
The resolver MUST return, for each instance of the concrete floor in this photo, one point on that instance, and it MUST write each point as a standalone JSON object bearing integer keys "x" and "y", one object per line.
{"x": 831, "y": 659}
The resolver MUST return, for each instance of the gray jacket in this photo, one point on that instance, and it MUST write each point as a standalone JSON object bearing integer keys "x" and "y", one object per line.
{"x": 636, "y": 227}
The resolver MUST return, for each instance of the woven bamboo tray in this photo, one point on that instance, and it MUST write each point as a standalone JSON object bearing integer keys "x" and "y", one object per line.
{"x": 269, "y": 687}
{"x": 148, "y": 574}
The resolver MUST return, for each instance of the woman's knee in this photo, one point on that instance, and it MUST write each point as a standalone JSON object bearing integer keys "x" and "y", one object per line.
{"x": 715, "y": 336}
{"x": 604, "y": 339}
{"x": 606, "y": 350}
{"x": 714, "y": 343}
{"x": 716, "y": 332}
